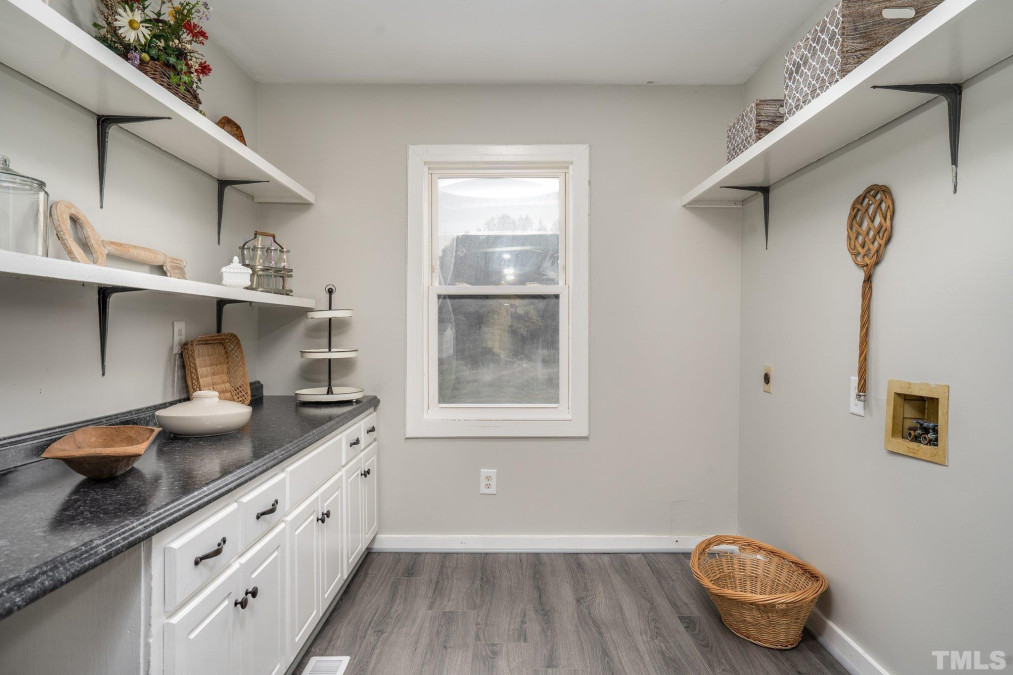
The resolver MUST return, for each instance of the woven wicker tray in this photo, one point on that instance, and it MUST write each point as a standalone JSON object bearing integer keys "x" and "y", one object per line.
{"x": 216, "y": 363}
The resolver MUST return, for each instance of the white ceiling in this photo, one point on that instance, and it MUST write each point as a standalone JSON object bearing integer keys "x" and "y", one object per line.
{"x": 505, "y": 41}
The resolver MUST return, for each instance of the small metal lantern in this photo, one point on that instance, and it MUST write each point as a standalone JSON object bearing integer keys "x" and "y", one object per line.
{"x": 267, "y": 258}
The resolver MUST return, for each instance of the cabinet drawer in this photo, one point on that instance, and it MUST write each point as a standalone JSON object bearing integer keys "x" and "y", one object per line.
{"x": 262, "y": 508}
{"x": 311, "y": 471}
{"x": 369, "y": 429}
{"x": 355, "y": 441}
{"x": 200, "y": 554}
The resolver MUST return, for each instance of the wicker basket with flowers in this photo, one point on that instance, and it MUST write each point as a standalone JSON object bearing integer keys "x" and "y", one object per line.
{"x": 161, "y": 39}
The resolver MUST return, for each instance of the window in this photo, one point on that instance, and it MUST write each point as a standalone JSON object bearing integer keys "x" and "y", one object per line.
{"x": 497, "y": 291}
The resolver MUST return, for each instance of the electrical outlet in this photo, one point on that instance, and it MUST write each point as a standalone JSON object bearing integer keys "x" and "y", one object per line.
{"x": 178, "y": 336}
{"x": 487, "y": 482}
{"x": 856, "y": 406}
{"x": 768, "y": 378}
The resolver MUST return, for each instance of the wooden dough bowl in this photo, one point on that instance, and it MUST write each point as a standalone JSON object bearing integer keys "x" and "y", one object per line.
{"x": 102, "y": 452}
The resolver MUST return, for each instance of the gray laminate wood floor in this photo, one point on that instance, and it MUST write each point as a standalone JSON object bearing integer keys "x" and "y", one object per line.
{"x": 473, "y": 613}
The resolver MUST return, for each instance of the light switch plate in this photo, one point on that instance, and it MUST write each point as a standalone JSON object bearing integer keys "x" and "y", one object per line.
{"x": 856, "y": 406}
{"x": 487, "y": 482}
{"x": 768, "y": 378}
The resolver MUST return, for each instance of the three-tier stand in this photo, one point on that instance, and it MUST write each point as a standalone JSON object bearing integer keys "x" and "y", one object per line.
{"x": 330, "y": 393}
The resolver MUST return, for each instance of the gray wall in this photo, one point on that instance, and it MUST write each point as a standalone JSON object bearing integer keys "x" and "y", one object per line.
{"x": 661, "y": 457}
{"x": 49, "y": 353}
{"x": 917, "y": 554}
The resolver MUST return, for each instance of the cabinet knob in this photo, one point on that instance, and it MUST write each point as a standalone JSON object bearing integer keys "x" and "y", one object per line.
{"x": 363, "y": 473}
{"x": 242, "y": 603}
{"x": 324, "y": 516}
{"x": 252, "y": 592}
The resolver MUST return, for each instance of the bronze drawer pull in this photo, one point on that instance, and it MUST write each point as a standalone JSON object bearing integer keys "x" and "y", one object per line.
{"x": 355, "y": 442}
{"x": 211, "y": 554}
{"x": 371, "y": 430}
{"x": 269, "y": 511}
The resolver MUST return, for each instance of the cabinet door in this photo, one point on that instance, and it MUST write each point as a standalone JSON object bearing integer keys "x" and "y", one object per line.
{"x": 369, "y": 495}
{"x": 302, "y": 536}
{"x": 262, "y": 623}
{"x": 353, "y": 513}
{"x": 202, "y": 637}
{"x": 332, "y": 560}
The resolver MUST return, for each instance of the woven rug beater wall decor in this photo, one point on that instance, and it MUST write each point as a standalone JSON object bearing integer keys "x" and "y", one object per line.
{"x": 869, "y": 226}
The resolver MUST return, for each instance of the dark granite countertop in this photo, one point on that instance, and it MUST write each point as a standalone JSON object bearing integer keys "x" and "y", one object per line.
{"x": 56, "y": 525}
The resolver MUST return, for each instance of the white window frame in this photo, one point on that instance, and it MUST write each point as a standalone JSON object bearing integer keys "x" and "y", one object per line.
{"x": 424, "y": 417}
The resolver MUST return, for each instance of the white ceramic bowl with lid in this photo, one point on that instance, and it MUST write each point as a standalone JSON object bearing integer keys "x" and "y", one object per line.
{"x": 204, "y": 415}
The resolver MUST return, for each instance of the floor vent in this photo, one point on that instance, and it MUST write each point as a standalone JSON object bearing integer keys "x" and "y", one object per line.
{"x": 326, "y": 665}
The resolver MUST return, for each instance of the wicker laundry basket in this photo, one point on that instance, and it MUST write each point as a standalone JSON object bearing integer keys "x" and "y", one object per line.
{"x": 763, "y": 595}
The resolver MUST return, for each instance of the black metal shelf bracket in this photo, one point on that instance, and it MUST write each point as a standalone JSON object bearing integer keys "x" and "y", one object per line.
{"x": 104, "y": 124}
{"x": 222, "y": 185}
{"x": 105, "y": 293}
{"x": 954, "y": 94}
{"x": 220, "y": 310}
{"x": 765, "y": 191}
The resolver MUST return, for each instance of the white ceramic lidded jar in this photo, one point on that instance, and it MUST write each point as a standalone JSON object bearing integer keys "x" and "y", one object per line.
{"x": 235, "y": 275}
{"x": 204, "y": 415}
{"x": 24, "y": 203}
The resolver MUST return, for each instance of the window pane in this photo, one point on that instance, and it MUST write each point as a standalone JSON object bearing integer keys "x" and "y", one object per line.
{"x": 498, "y": 231}
{"x": 498, "y": 349}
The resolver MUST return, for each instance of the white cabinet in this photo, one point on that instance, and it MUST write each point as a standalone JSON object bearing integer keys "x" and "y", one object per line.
{"x": 262, "y": 620}
{"x": 200, "y": 554}
{"x": 241, "y": 586}
{"x": 353, "y": 513}
{"x": 332, "y": 538}
{"x": 304, "y": 572}
{"x": 263, "y": 508}
{"x": 369, "y": 503}
{"x": 200, "y": 639}
{"x": 315, "y": 548}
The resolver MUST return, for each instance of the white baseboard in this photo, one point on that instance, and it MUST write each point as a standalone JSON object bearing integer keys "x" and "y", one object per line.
{"x": 561, "y": 543}
{"x": 842, "y": 647}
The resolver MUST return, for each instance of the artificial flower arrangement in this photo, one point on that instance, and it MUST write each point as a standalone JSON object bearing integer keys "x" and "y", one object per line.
{"x": 161, "y": 39}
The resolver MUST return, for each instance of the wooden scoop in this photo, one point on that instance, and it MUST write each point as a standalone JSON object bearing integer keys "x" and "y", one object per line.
{"x": 174, "y": 267}
{"x": 64, "y": 216}
{"x": 869, "y": 226}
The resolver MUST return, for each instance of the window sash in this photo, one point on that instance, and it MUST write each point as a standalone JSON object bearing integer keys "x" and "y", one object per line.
{"x": 435, "y": 410}
{"x": 434, "y": 209}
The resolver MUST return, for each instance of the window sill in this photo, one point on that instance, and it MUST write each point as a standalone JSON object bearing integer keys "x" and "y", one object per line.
{"x": 497, "y": 429}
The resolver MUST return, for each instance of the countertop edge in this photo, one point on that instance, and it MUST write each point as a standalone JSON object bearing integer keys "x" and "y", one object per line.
{"x": 22, "y": 590}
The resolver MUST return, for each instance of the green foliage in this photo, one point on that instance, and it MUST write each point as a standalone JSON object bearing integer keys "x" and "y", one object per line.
{"x": 173, "y": 35}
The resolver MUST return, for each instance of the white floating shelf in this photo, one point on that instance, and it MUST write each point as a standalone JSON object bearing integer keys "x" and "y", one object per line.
{"x": 40, "y": 43}
{"x": 51, "y": 269}
{"x": 329, "y": 353}
{"x": 329, "y": 314}
{"x": 952, "y": 43}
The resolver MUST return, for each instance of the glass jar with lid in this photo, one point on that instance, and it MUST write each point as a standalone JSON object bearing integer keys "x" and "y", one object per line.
{"x": 23, "y": 206}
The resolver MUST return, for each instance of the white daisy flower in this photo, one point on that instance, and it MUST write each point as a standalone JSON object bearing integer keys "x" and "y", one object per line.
{"x": 131, "y": 25}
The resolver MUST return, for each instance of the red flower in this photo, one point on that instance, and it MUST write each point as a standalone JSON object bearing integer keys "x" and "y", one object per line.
{"x": 203, "y": 69}
{"x": 196, "y": 33}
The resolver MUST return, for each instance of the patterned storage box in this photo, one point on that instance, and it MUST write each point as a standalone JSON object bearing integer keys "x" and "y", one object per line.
{"x": 849, "y": 34}
{"x": 753, "y": 123}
